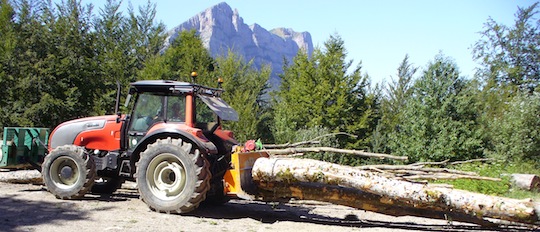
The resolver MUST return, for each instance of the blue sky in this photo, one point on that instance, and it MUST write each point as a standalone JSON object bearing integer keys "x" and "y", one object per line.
{"x": 377, "y": 33}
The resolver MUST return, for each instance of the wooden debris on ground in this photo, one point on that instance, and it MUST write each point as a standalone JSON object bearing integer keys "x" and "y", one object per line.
{"x": 21, "y": 176}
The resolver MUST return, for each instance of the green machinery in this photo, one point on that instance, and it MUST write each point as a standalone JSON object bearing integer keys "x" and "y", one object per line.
{"x": 23, "y": 146}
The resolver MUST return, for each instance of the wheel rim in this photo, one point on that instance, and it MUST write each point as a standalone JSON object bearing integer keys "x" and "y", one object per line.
{"x": 166, "y": 176}
{"x": 64, "y": 172}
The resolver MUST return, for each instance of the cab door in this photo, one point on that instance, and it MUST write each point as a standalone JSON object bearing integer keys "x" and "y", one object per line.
{"x": 147, "y": 111}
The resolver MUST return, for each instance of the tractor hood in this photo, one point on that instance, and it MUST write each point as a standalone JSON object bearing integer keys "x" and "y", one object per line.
{"x": 220, "y": 107}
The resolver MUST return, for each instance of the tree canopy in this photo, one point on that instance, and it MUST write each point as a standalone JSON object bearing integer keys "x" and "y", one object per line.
{"x": 61, "y": 61}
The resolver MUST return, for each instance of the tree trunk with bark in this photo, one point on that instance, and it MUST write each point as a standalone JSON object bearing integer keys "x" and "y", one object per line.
{"x": 317, "y": 180}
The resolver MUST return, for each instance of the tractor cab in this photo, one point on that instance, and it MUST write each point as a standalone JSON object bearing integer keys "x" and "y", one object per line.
{"x": 191, "y": 112}
{"x": 162, "y": 106}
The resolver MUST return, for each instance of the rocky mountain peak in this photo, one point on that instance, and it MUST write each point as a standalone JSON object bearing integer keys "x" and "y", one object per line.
{"x": 222, "y": 29}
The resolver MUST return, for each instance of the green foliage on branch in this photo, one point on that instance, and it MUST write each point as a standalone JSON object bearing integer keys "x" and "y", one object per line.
{"x": 518, "y": 134}
{"x": 246, "y": 91}
{"x": 509, "y": 54}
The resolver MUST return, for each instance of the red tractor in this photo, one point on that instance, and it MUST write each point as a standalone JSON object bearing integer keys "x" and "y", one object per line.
{"x": 172, "y": 144}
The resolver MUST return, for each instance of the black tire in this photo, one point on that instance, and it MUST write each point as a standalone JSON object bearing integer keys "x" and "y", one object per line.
{"x": 107, "y": 185}
{"x": 172, "y": 177}
{"x": 68, "y": 172}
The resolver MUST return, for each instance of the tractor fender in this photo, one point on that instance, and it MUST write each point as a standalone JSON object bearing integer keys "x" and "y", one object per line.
{"x": 205, "y": 146}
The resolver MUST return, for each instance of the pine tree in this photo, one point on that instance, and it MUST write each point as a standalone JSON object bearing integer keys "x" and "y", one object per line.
{"x": 397, "y": 93}
{"x": 320, "y": 91}
{"x": 509, "y": 80}
{"x": 440, "y": 120}
{"x": 510, "y": 54}
{"x": 185, "y": 55}
{"x": 245, "y": 90}
{"x": 113, "y": 55}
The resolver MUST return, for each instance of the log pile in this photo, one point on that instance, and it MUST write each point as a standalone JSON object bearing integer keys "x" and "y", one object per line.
{"x": 396, "y": 190}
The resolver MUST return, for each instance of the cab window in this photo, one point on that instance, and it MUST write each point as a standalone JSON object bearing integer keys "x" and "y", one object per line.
{"x": 147, "y": 111}
{"x": 176, "y": 109}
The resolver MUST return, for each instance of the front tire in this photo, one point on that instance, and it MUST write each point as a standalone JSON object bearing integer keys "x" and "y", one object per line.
{"x": 68, "y": 172}
{"x": 172, "y": 176}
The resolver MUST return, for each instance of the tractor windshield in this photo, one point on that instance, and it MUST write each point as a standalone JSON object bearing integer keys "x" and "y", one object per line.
{"x": 220, "y": 107}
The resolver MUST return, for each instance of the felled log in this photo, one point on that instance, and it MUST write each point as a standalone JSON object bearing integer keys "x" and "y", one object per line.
{"x": 525, "y": 181}
{"x": 317, "y": 180}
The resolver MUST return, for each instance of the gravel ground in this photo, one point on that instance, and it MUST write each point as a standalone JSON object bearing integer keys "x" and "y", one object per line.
{"x": 29, "y": 207}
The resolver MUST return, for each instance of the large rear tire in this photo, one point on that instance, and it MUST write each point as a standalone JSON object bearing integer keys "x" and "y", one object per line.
{"x": 172, "y": 176}
{"x": 68, "y": 172}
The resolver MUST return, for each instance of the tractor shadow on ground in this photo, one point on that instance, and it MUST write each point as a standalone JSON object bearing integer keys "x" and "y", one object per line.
{"x": 115, "y": 197}
{"x": 17, "y": 213}
{"x": 120, "y": 195}
{"x": 275, "y": 212}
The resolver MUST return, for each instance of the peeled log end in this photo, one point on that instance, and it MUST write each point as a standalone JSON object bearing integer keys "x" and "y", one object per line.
{"x": 526, "y": 181}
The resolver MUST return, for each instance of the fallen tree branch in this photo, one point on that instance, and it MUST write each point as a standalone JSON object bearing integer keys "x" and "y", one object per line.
{"x": 285, "y": 145}
{"x": 334, "y": 150}
{"x": 332, "y": 134}
{"x": 460, "y": 205}
{"x": 406, "y": 168}
{"x": 441, "y": 176}
{"x": 444, "y": 162}
{"x": 472, "y": 161}
{"x": 309, "y": 142}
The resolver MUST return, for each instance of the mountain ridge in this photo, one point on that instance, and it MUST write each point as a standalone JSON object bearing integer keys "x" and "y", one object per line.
{"x": 221, "y": 29}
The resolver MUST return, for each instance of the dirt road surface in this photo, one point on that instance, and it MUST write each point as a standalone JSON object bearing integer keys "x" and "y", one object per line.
{"x": 29, "y": 207}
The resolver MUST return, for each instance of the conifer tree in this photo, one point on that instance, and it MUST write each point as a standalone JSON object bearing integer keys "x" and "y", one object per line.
{"x": 440, "y": 120}
{"x": 397, "y": 93}
{"x": 245, "y": 90}
{"x": 321, "y": 91}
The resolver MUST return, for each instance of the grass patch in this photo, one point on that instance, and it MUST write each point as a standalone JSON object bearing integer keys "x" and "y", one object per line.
{"x": 498, "y": 170}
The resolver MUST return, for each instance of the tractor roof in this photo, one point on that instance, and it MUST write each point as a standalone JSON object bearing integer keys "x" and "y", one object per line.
{"x": 210, "y": 96}
{"x": 167, "y": 86}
